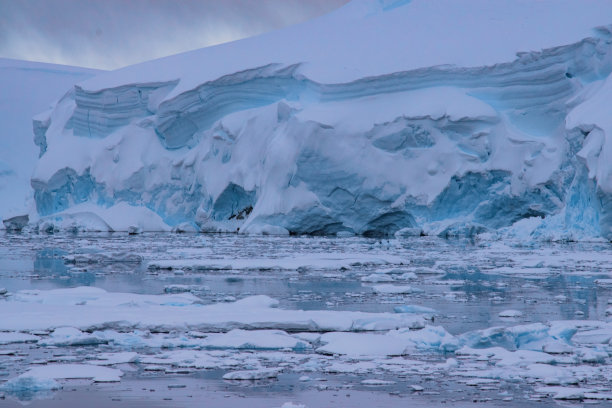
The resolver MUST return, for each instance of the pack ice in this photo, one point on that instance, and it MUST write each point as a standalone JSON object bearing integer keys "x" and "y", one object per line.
{"x": 383, "y": 117}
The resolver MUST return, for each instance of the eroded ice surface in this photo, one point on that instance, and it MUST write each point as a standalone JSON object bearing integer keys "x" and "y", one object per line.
{"x": 497, "y": 320}
{"x": 381, "y": 118}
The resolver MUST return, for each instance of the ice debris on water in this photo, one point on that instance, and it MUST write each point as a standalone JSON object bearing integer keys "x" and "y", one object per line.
{"x": 70, "y": 336}
{"x": 29, "y": 384}
{"x": 377, "y": 382}
{"x": 44, "y": 378}
{"x": 510, "y": 313}
{"x": 552, "y": 354}
{"x": 414, "y": 309}
{"x": 395, "y": 289}
{"x": 16, "y": 223}
{"x": 252, "y": 374}
{"x": 9, "y": 337}
{"x": 292, "y": 405}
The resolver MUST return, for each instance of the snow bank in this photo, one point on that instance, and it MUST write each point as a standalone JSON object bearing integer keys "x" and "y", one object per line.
{"x": 91, "y": 217}
{"x": 380, "y": 118}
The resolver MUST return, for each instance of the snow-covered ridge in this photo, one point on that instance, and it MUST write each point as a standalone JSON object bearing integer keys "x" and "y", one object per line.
{"x": 268, "y": 135}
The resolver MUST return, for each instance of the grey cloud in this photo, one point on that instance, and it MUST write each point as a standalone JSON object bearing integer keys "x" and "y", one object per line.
{"x": 109, "y": 34}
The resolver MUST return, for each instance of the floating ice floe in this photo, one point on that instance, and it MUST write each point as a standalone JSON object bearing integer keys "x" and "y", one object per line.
{"x": 377, "y": 277}
{"x": 395, "y": 289}
{"x": 362, "y": 344}
{"x": 414, "y": 309}
{"x": 292, "y": 405}
{"x": 70, "y": 336}
{"x": 184, "y": 288}
{"x": 92, "y": 309}
{"x": 393, "y": 343}
{"x": 254, "y": 339}
{"x": 45, "y": 377}
{"x": 17, "y": 337}
{"x": 510, "y": 313}
{"x": 252, "y": 374}
{"x": 102, "y": 258}
{"x": 377, "y": 382}
{"x": 572, "y": 393}
{"x": 298, "y": 262}
{"x": 106, "y": 359}
{"x": 29, "y": 384}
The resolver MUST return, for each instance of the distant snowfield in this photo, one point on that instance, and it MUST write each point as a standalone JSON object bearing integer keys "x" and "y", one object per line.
{"x": 26, "y": 89}
{"x": 383, "y": 117}
{"x": 368, "y": 38}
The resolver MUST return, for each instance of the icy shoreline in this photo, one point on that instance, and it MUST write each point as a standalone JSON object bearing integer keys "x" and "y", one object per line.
{"x": 509, "y": 141}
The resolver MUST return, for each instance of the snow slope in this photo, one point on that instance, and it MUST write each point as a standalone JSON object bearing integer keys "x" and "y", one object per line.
{"x": 383, "y": 117}
{"x": 26, "y": 88}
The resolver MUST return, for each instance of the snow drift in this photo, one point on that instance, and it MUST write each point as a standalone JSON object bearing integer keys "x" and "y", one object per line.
{"x": 383, "y": 117}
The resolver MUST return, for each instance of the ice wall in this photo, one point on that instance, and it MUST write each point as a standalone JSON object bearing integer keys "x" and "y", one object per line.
{"x": 269, "y": 135}
{"x": 26, "y": 88}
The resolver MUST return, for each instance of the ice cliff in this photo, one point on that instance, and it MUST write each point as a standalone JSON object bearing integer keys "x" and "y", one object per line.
{"x": 383, "y": 117}
{"x": 26, "y": 88}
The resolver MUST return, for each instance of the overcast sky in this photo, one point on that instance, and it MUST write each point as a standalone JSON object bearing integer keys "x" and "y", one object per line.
{"x": 109, "y": 34}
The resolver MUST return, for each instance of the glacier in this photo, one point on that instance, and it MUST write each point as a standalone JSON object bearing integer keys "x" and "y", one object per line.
{"x": 26, "y": 88}
{"x": 381, "y": 118}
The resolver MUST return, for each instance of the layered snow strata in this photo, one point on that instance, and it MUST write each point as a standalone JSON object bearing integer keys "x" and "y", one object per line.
{"x": 319, "y": 129}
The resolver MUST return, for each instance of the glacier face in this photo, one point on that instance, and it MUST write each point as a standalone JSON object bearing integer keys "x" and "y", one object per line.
{"x": 26, "y": 88}
{"x": 279, "y": 134}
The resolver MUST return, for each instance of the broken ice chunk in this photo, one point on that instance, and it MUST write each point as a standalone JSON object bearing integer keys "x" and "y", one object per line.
{"x": 510, "y": 313}
{"x": 252, "y": 374}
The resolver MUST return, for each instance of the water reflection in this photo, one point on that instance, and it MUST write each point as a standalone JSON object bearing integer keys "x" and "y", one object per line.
{"x": 468, "y": 283}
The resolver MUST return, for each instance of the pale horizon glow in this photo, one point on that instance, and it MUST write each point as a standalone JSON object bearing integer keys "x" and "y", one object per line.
{"x": 109, "y": 34}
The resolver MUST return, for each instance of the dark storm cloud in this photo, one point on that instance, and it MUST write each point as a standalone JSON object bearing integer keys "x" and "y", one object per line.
{"x": 114, "y": 33}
